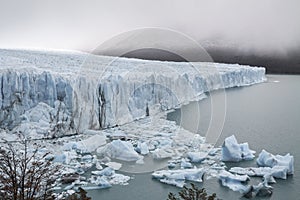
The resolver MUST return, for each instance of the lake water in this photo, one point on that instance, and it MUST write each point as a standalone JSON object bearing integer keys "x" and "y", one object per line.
{"x": 266, "y": 115}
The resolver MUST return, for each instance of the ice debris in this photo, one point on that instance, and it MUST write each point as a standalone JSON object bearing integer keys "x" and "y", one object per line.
{"x": 121, "y": 150}
{"x": 197, "y": 156}
{"x": 276, "y": 171}
{"x": 178, "y": 177}
{"x": 269, "y": 160}
{"x": 232, "y": 151}
{"x": 87, "y": 145}
{"x": 234, "y": 182}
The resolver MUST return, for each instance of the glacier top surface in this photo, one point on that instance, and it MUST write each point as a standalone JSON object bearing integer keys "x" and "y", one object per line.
{"x": 69, "y": 64}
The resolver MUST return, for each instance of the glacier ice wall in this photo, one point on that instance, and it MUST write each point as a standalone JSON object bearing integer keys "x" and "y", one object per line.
{"x": 100, "y": 91}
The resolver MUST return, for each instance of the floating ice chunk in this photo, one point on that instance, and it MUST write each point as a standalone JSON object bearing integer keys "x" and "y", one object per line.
{"x": 196, "y": 156}
{"x": 100, "y": 181}
{"x": 171, "y": 165}
{"x": 107, "y": 171}
{"x": 232, "y": 151}
{"x": 269, "y": 160}
{"x": 260, "y": 190}
{"x": 69, "y": 187}
{"x": 98, "y": 165}
{"x": 70, "y": 192}
{"x": 276, "y": 171}
{"x": 176, "y": 182}
{"x": 185, "y": 164}
{"x": 88, "y": 145}
{"x": 269, "y": 178}
{"x": 279, "y": 172}
{"x": 263, "y": 189}
{"x": 178, "y": 177}
{"x": 121, "y": 150}
{"x": 161, "y": 153}
{"x": 229, "y": 176}
{"x": 142, "y": 148}
{"x": 119, "y": 179}
{"x": 87, "y": 158}
{"x": 114, "y": 165}
{"x": 234, "y": 182}
{"x": 213, "y": 151}
{"x": 165, "y": 142}
{"x": 60, "y": 158}
{"x": 65, "y": 157}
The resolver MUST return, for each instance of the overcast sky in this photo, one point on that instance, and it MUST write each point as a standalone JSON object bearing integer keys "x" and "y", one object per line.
{"x": 84, "y": 24}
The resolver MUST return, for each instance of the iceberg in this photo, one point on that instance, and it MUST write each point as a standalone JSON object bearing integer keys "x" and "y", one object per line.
{"x": 197, "y": 156}
{"x": 162, "y": 153}
{"x": 185, "y": 164}
{"x": 121, "y": 150}
{"x": 260, "y": 190}
{"x": 114, "y": 165}
{"x": 276, "y": 171}
{"x": 178, "y": 177}
{"x": 234, "y": 182}
{"x": 269, "y": 160}
{"x": 100, "y": 181}
{"x": 87, "y": 145}
{"x": 142, "y": 148}
{"x": 93, "y": 92}
{"x": 232, "y": 151}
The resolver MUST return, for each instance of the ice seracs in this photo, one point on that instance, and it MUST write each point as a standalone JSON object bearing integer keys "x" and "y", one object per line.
{"x": 232, "y": 151}
{"x": 101, "y": 92}
{"x": 269, "y": 160}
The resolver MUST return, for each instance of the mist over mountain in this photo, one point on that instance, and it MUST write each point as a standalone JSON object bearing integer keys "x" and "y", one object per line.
{"x": 253, "y": 32}
{"x": 275, "y": 63}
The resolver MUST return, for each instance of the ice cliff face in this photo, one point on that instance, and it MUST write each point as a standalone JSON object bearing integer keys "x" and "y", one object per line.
{"x": 82, "y": 91}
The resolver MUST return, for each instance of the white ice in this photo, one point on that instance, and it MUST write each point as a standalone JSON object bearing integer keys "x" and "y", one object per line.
{"x": 276, "y": 171}
{"x": 178, "y": 177}
{"x": 121, "y": 150}
{"x": 100, "y": 91}
{"x": 87, "y": 145}
{"x": 234, "y": 182}
{"x": 269, "y": 160}
{"x": 232, "y": 151}
{"x": 196, "y": 156}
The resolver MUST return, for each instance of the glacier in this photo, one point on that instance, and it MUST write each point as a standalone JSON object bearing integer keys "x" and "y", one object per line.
{"x": 79, "y": 91}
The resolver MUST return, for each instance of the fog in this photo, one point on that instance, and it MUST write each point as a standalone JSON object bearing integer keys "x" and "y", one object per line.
{"x": 256, "y": 25}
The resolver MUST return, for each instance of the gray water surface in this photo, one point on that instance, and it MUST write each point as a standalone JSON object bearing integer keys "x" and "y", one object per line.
{"x": 267, "y": 116}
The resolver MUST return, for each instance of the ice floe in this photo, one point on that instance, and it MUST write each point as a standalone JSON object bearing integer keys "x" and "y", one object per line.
{"x": 121, "y": 150}
{"x": 269, "y": 160}
{"x": 232, "y": 151}
{"x": 276, "y": 171}
{"x": 178, "y": 177}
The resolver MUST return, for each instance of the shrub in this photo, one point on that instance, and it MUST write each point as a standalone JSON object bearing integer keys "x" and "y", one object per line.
{"x": 25, "y": 173}
{"x": 193, "y": 193}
